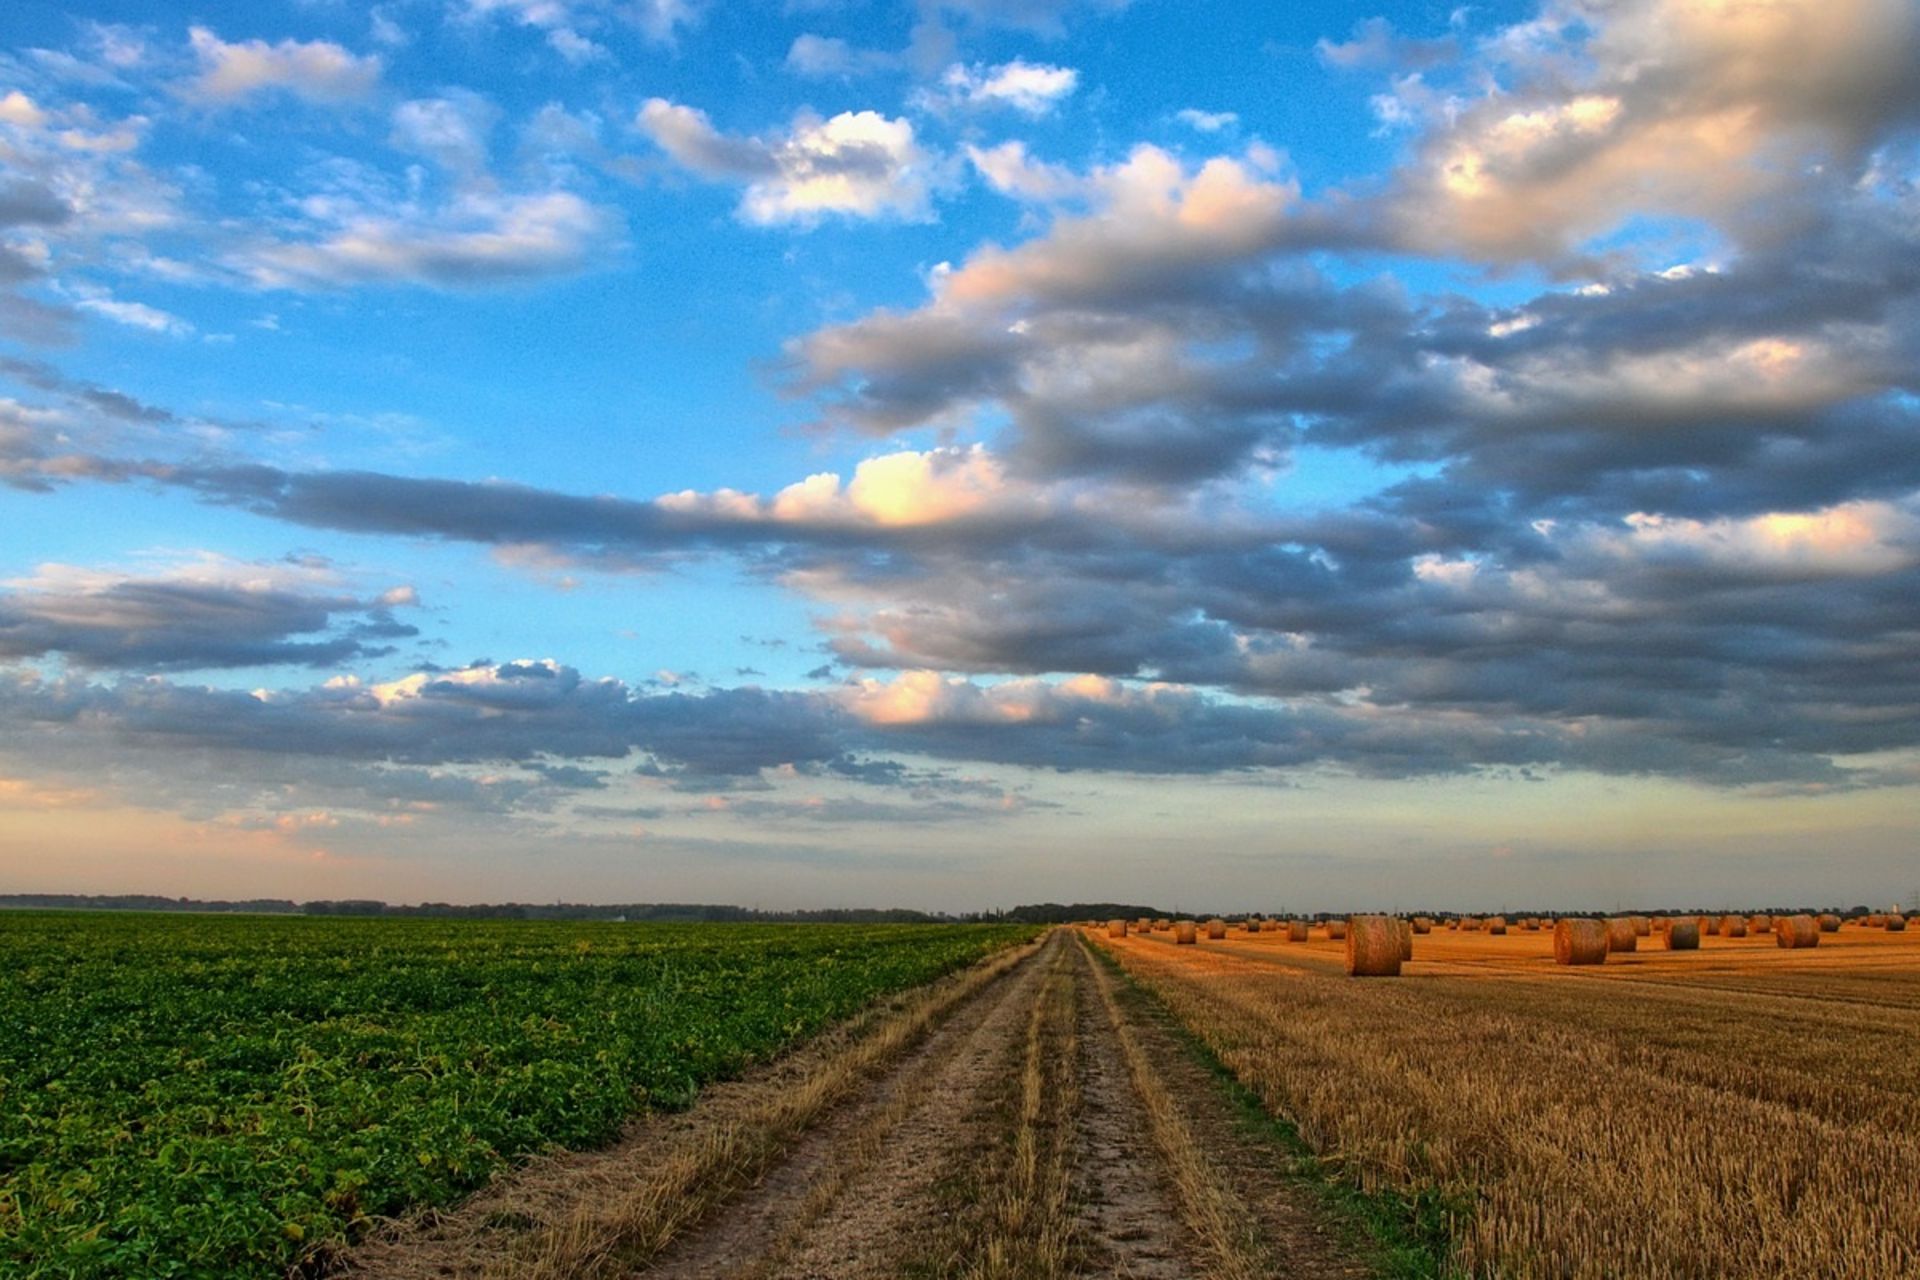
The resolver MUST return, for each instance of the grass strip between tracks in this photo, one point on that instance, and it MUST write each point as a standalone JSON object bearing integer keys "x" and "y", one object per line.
{"x": 1402, "y": 1238}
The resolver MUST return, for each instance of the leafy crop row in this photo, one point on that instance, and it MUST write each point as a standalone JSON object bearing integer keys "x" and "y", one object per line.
{"x": 195, "y": 1096}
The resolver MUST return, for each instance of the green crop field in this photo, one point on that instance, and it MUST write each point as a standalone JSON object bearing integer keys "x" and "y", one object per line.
{"x": 219, "y": 1096}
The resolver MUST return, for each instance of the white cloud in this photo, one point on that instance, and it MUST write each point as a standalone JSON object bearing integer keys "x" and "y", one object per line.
{"x": 452, "y": 131}
{"x": 1030, "y": 88}
{"x": 134, "y": 315}
{"x": 316, "y": 70}
{"x": 1206, "y": 121}
{"x": 857, "y": 164}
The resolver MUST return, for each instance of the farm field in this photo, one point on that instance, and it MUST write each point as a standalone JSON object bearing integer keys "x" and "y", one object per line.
{"x": 222, "y": 1096}
{"x": 1737, "y": 1109}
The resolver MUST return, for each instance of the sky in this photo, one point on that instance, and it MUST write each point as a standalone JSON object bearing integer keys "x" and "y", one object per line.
{"x": 962, "y": 452}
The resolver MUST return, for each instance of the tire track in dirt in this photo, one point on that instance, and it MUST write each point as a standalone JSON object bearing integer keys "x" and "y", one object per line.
{"x": 857, "y": 1187}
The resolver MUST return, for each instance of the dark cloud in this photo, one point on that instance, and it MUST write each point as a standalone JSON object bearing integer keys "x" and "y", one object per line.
{"x": 188, "y": 622}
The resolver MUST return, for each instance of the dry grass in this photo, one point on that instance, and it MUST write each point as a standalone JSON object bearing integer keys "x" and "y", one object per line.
{"x": 1646, "y": 1117}
{"x": 1029, "y": 1229}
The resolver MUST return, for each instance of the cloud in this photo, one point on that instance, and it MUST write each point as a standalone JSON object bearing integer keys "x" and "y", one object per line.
{"x": 451, "y": 131}
{"x": 210, "y": 612}
{"x": 857, "y": 164}
{"x": 476, "y": 240}
{"x": 1376, "y": 44}
{"x": 1031, "y": 88}
{"x": 317, "y": 71}
{"x": 1206, "y": 121}
{"x": 1592, "y": 117}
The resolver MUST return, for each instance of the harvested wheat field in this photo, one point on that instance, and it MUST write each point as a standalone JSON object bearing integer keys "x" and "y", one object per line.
{"x": 1743, "y": 1108}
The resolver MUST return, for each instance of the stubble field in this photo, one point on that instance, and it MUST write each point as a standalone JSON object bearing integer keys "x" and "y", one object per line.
{"x": 1737, "y": 1109}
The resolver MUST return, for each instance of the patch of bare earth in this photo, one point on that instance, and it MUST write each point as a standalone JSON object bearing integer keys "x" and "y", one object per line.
{"x": 1026, "y": 1119}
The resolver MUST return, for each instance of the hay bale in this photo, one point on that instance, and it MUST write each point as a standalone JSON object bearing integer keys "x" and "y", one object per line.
{"x": 1296, "y": 931}
{"x": 1373, "y": 946}
{"x": 1759, "y": 924}
{"x": 1216, "y": 929}
{"x": 1733, "y": 926}
{"x": 1683, "y": 935}
{"x": 1423, "y": 924}
{"x": 1143, "y": 925}
{"x": 1406, "y": 938}
{"x": 1876, "y": 922}
{"x": 1829, "y": 923}
{"x": 1253, "y": 926}
{"x": 1496, "y": 924}
{"x": 1620, "y": 934}
{"x": 1896, "y": 924}
{"x": 1709, "y": 926}
{"x": 1470, "y": 925}
{"x": 1580, "y": 942}
{"x": 1116, "y": 928}
{"x": 1161, "y": 926}
{"x": 1185, "y": 934}
{"x": 1336, "y": 929}
{"x": 1794, "y": 932}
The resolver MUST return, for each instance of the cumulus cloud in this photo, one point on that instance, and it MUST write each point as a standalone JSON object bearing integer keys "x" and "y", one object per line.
{"x": 1031, "y": 88}
{"x": 857, "y": 164}
{"x": 1570, "y": 126}
{"x": 317, "y": 71}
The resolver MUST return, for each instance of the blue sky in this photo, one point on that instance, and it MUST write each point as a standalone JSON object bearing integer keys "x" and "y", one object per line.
{"x": 960, "y": 452}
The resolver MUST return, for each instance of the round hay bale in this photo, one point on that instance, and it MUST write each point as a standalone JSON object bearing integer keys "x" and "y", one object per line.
{"x": 1496, "y": 924}
{"x": 1796, "y": 931}
{"x": 1373, "y": 946}
{"x": 1662, "y": 923}
{"x": 1295, "y": 931}
{"x": 1406, "y": 938}
{"x": 1709, "y": 926}
{"x": 1580, "y": 942}
{"x": 1253, "y": 926}
{"x": 1423, "y": 924}
{"x": 1896, "y": 924}
{"x": 1683, "y": 935}
{"x": 1642, "y": 926}
{"x": 1161, "y": 926}
{"x": 1116, "y": 928}
{"x": 1185, "y": 934}
{"x": 1829, "y": 923}
{"x": 1336, "y": 929}
{"x": 1620, "y": 934}
{"x": 1733, "y": 926}
{"x": 1759, "y": 924}
{"x": 1876, "y": 922}
{"x": 1143, "y": 925}
{"x": 1216, "y": 929}
{"x": 1470, "y": 925}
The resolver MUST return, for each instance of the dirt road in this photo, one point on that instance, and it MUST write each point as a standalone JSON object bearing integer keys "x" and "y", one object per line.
{"x": 1029, "y": 1118}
